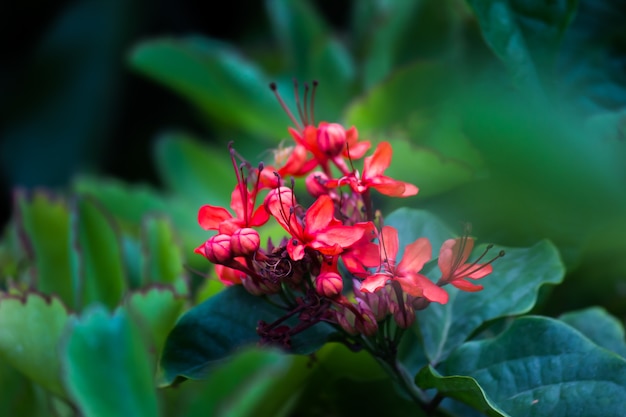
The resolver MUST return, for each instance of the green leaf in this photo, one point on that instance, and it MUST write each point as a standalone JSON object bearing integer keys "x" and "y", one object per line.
{"x": 30, "y": 331}
{"x": 127, "y": 203}
{"x": 524, "y": 34}
{"x": 107, "y": 367}
{"x": 242, "y": 386}
{"x": 195, "y": 171}
{"x": 162, "y": 257}
{"x": 155, "y": 310}
{"x": 461, "y": 388}
{"x": 511, "y": 289}
{"x": 413, "y": 224}
{"x": 43, "y": 228}
{"x": 542, "y": 367}
{"x": 225, "y": 322}
{"x": 98, "y": 269}
{"x": 312, "y": 53}
{"x": 386, "y": 106}
{"x": 215, "y": 78}
{"x": 600, "y": 327}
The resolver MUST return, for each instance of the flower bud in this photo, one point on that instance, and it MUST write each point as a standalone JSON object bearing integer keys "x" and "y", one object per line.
{"x": 404, "y": 315}
{"x": 315, "y": 184}
{"x": 346, "y": 319}
{"x": 331, "y": 139}
{"x": 217, "y": 249}
{"x": 329, "y": 284}
{"x": 244, "y": 241}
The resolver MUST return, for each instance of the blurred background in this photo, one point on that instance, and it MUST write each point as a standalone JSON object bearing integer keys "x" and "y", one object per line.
{"x": 507, "y": 114}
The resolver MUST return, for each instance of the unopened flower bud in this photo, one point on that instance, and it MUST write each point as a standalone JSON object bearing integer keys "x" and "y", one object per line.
{"x": 346, "y": 319}
{"x": 367, "y": 324}
{"x": 404, "y": 315}
{"x": 315, "y": 184}
{"x": 217, "y": 249}
{"x": 329, "y": 284}
{"x": 331, "y": 139}
{"x": 244, "y": 241}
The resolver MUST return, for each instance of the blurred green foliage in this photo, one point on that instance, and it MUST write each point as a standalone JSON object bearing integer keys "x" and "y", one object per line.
{"x": 509, "y": 114}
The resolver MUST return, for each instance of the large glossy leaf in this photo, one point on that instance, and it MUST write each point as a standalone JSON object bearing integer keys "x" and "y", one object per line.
{"x": 542, "y": 367}
{"x": 461, "y": 388}
{"x": 243, "y": 386}
{"x": 107, "y": 370}
{"x": 214, "y": 77}
{"x": 30, "y": 331}
{"x": 98, "y": 270}
{"x": 600, "y": 327}
{"x": 511, "y": 289}
{"x": 222, "y": 324}
{"x": 413, "y": 224}
{"x": 524, "y": 34}
{"x": 43, "y": 228}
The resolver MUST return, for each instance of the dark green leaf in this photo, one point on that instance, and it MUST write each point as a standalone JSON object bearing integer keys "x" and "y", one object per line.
{"x": 511, "y": 289}
{"x": 524, "y": 34}
{"x": 461, "y": 388}
{"x": 30, "y": 331}
{"x": 413, "y": 224}
{"x": 215, "y": 78}
{"x": 43, "y": 228}
{"x": 242, "y": 386}
{"x": 98, "y": 270}
{"x": 313, "y": 54}
{"x": 107, "y": 366}
{"x": 600, "y": 327}
{"x": 225, "y": 322}
{"x": 542, "y": 367}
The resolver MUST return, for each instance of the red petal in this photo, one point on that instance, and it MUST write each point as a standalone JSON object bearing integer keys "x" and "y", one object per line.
{"x": 418, "y": 285}
{"x": 446, "y": 258}
{"x": 210, "y": 217}
{"x": 344, "y": 236}
{"x": 376, "y": 164}
{"x": 466, "y": 286}
{"x": 296, "y": 252}
{"x": 374, "y": 282}
{"x": 415, "y": 256}
{"x": 320, "y": 214}
{"x": 389, "y": 244}
{"x": 260, "y": 217}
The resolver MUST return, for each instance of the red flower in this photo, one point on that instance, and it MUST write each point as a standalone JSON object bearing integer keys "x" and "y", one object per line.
{"x": 373, "y": 168}
{"x": 320, "y": 230}
{"x": 454, "y": 269}
{"x": 405, "y": 273}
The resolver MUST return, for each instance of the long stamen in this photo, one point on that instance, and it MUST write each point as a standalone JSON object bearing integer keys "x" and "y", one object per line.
{"x": 315, "y": 84}
{"x": 243, "y": 190}
{"x": 468, "y": 270}
{"x": 274, "y": 88}
{"x": 299, "y": 106}
{"x": 306, "y": 111}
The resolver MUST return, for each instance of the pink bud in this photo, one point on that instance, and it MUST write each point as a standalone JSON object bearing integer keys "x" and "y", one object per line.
{"x": 217, "y": 249}
{"x": 329, "y": 284}
{"x": 244, "y": 241}
{"x": 367, "y": 324}
{"x": 346, "y": 319}
{"x": 404, "y": 315}
{"x": 315, "y": 184}
{"x": 331, "y": 139}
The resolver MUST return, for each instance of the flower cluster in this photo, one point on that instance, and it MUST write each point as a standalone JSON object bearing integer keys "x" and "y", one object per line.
{"x": 302, "y": 272}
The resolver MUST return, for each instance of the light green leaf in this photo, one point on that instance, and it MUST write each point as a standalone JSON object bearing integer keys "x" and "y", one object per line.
{"x": 215, "y": 78}
{"x": 107, "y": 367}
{"x": 242, "y": 386}
{"x": 30, "y": 331}
{"x": 43, "y": 225}
{"x": 98, "y": 270}
{"x": 162, "y": 260}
